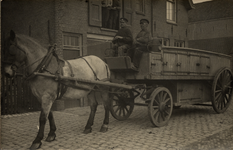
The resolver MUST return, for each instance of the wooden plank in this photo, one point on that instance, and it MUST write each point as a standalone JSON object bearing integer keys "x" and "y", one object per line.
{"x": 14, "y": 86}
{"x": 3, "y": 89}
{"x": 10, "y": 97}
{"x": 19, "y": 91}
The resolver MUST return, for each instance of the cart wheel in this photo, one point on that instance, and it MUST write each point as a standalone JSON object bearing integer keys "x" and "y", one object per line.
{"x": 222, "y": 90}
{"x": 160, "y": 107}
{"x": 122, "y": 104}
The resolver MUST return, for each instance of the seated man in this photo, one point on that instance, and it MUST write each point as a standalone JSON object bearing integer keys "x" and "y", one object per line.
{"x": 123, "y": 39}
{"x": 141, "y": 42}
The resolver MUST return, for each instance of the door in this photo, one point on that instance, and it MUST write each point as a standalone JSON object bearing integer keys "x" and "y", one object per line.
{"x": 182, "y": 63}
{"x": 169, "y": 62}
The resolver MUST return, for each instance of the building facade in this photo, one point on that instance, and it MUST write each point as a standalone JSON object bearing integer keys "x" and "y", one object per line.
{"x": 85, "y": 27}
{"x": 211, "y": 26}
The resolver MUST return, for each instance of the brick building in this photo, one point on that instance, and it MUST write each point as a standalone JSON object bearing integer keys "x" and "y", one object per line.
{"x": 81, "y": 27}
{"x": 211, "y": 26}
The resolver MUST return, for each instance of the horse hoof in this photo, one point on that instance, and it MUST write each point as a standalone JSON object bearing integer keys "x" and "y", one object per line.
{"x": 86, "y": 131}
{"x": 50, "y": 138}
{"x": 35, "y": 146}
{"x": 103, "y": 129}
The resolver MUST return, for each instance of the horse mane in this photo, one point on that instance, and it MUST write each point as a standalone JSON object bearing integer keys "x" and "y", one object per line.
{"x": 30, "y": 44}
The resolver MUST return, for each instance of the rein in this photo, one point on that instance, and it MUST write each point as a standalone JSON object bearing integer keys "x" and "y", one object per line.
{"x": 44, "y": 63}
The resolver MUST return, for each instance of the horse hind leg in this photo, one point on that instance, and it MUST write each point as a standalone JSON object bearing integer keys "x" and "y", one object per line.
{"x": 91, "y": 96}
{"x": 106, "y": 102}
{"x": 51, "y": 136}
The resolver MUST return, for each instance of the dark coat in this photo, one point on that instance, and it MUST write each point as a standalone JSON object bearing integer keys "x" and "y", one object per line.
{"x": 126, "y": 33}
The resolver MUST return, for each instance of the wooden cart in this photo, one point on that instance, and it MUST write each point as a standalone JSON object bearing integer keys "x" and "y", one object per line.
{"x": 170, "y": 78}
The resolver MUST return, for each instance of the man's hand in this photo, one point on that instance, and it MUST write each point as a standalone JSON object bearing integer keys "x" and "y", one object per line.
{"x": 118, "y": 37}
{"x": 137, "y": 43}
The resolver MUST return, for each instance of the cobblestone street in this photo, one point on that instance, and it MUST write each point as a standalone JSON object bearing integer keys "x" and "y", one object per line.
{"x": 190, "y": 127}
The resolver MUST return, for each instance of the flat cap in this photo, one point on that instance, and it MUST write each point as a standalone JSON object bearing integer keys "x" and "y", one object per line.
{"x": 144, "y": 20}
{"x": 124, "y": 19}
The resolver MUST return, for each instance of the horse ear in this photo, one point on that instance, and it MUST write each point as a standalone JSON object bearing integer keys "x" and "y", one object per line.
{"x": 12, "y": 35}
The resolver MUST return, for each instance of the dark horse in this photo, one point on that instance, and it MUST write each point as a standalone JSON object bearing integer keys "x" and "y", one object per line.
{"x": 23, "y": 49}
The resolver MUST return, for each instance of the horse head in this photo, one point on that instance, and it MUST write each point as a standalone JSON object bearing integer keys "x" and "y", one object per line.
{"x": 19, "y": 50}
{"x": 14, "y": 55}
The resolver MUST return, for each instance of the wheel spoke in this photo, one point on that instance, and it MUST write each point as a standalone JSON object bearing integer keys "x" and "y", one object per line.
{"x": 227, "y": 98}
{"x": 217, "y": 91}
{"x": 126, "y": 109}
{"x": 217, "y": 99}
{"x": 219, "y": 102}
{"x": 217, "y": 96}
{"x": 219, "y": 86}
{"x": 228, "y": 83}
{"x": 156, "y": 102}
{"x": 117, "y": 109}
{"x": 164, "y": 96}
{"x": 160, "y": 97}
{"x": 166, "y": 112}
{"x": 116, "y": 100}
{"x": 123, "y": 111}
{"x": 168, "y": 99}
{"x": 156, "y": 116}
{"x": 155, "y": 107}
{"x": 154, "y": 112}
{"x": 119, "y": 112}
{"x": 114, "y": 105}
{"x": 162, "y": 115}
{"x": 228, "y": 78}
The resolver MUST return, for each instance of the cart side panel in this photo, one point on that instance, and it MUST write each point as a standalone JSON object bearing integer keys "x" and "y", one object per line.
{"x": 186, "y": 63}
{"x": 171, "y": 63}
{"x": 192, "y": 92}
{"x": 217, "y": 62}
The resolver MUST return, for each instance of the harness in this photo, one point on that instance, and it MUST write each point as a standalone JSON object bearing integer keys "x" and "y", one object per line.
{"x": 62, "y": 85}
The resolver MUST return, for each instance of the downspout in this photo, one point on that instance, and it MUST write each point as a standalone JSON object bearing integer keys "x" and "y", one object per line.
{"x": 152, "y": 19}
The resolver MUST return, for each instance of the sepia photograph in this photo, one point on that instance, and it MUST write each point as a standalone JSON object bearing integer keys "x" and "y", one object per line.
{"x": 116, "y": 75}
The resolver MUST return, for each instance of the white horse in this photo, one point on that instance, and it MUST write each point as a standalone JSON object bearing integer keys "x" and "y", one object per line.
{"x": 23, "y": 49}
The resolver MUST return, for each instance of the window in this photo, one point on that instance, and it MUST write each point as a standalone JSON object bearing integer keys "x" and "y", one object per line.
{"x": 72, "y": 45}
{"x": 140, "y": 6}
{"x": 171, "y": 11}
{"x": 110, "y": 14}
{"x": 179, "y": 43}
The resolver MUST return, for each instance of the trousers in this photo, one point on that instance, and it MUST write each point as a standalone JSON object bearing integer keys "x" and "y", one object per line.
{"x": 123, "y": 49}
{"x": 136, "y": 55}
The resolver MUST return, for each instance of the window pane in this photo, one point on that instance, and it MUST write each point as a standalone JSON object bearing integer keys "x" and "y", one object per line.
{"x": 76, "y": 42}
{"x": 139, "y": 5}
{"x": 171, "y": 10}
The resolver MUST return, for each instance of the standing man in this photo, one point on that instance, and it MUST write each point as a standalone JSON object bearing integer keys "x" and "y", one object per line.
{"x": 123, "y": 39}
{"x": 114, "y": 15}
{"x": 141, "y": 42}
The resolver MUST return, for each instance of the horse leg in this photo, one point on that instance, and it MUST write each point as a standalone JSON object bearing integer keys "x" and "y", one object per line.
{"x": 51, "y": 135}
{"x": 46, "y": 106}
{"x": 93, "y": 106}
{"x": 104, "y": 127}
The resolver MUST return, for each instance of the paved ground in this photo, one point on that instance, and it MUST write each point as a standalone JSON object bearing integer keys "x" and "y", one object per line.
{"x": 190, "y": 127}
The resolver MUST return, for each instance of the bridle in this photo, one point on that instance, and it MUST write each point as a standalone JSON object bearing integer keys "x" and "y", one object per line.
{"x": 15, "y": 65}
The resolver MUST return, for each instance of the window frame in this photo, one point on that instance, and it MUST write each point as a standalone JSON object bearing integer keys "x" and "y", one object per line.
{"x": 140, "y": 12}
{"x": 71, "y": 47}
{"x": 174, "y": 12}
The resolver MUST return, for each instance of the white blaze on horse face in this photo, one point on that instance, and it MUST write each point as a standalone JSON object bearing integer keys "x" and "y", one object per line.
{"x": 8, "y": 70}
